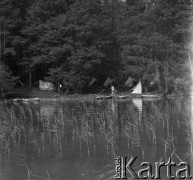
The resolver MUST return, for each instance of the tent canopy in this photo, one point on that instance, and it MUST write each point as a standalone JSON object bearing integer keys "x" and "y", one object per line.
{"x": 108, "y": 82}
{"x": 129, "y": 82}
{"x": 94, "y": 80}
{"x": 138, "y": 88}
{"x": 43, "y": 85}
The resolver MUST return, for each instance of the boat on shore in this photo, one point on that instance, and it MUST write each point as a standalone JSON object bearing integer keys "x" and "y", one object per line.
{"x": 26, "y": 100}
{"x": 143, "y": 96}
{"x": 104, "y": 97}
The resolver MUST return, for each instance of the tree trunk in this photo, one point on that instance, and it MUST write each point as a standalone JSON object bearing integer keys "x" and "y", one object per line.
{"x": 4, "y": 43}
{"x": 30, "y": 77}
{"x": 0, "y": 50}
{"x": 158, "y": 75}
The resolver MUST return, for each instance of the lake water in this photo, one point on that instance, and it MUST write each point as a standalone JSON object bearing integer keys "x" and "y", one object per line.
{"x": 79, "y": 140}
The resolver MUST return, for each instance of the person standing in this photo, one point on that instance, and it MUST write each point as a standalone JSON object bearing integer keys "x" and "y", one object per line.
{"x": 113, "y": 90}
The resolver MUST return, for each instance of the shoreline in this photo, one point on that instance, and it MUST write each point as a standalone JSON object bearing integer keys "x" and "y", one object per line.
{"x": 30, "y": 93}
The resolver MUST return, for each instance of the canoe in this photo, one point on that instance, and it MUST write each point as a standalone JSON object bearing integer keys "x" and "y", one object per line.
{"x": 16, "y": 100}
{"x": 104, "y": 97}
{"x": 150, "y": 95}
{"x": 35, "y": 100}
{"x": 143, "y": 96}
{"x": 123, "y": 96}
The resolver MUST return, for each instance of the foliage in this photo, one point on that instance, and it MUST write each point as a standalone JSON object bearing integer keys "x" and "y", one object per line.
{"x": 7, "y": 81}
{"x": 155, "y": 36}
{"x": 74, "y": 40}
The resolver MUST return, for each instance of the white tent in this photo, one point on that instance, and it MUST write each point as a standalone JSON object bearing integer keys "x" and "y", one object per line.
{"x": 138, "y": 88}
{"x": 43, "y": 85}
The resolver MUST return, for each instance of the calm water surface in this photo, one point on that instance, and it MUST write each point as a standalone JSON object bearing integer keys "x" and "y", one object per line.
{"x": 78, "y": 140}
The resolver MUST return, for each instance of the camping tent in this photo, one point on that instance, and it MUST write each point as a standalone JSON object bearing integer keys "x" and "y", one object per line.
{"x": 43, "y": 85}
{"x": 138, "y": 88}
{"x": 129, "y": 82}
{"x": 108, "y": 82}
{"x": 94, "y": 80}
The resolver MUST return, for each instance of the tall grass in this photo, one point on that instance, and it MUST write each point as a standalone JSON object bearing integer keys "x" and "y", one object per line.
{"x": 89, "y": 127}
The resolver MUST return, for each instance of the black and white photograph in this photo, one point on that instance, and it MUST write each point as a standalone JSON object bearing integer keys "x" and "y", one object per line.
{"x": 96, "y": 89}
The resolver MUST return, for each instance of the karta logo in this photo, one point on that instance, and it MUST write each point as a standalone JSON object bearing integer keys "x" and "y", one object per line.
{"x": 150, "y": 171}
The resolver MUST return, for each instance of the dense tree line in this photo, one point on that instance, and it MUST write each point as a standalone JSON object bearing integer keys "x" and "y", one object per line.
{"x": 74, "y": 40}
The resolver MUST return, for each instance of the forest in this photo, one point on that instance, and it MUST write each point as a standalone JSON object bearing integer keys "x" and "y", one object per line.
{"x": 72, "y": 41}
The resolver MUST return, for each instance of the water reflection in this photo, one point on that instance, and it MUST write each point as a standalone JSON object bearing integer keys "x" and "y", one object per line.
{"x": 79, "y": 140}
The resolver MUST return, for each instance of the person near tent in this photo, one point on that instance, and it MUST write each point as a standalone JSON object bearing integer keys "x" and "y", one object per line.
{"x": 60, "y": 87}
{"x": 113, "y": 90}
